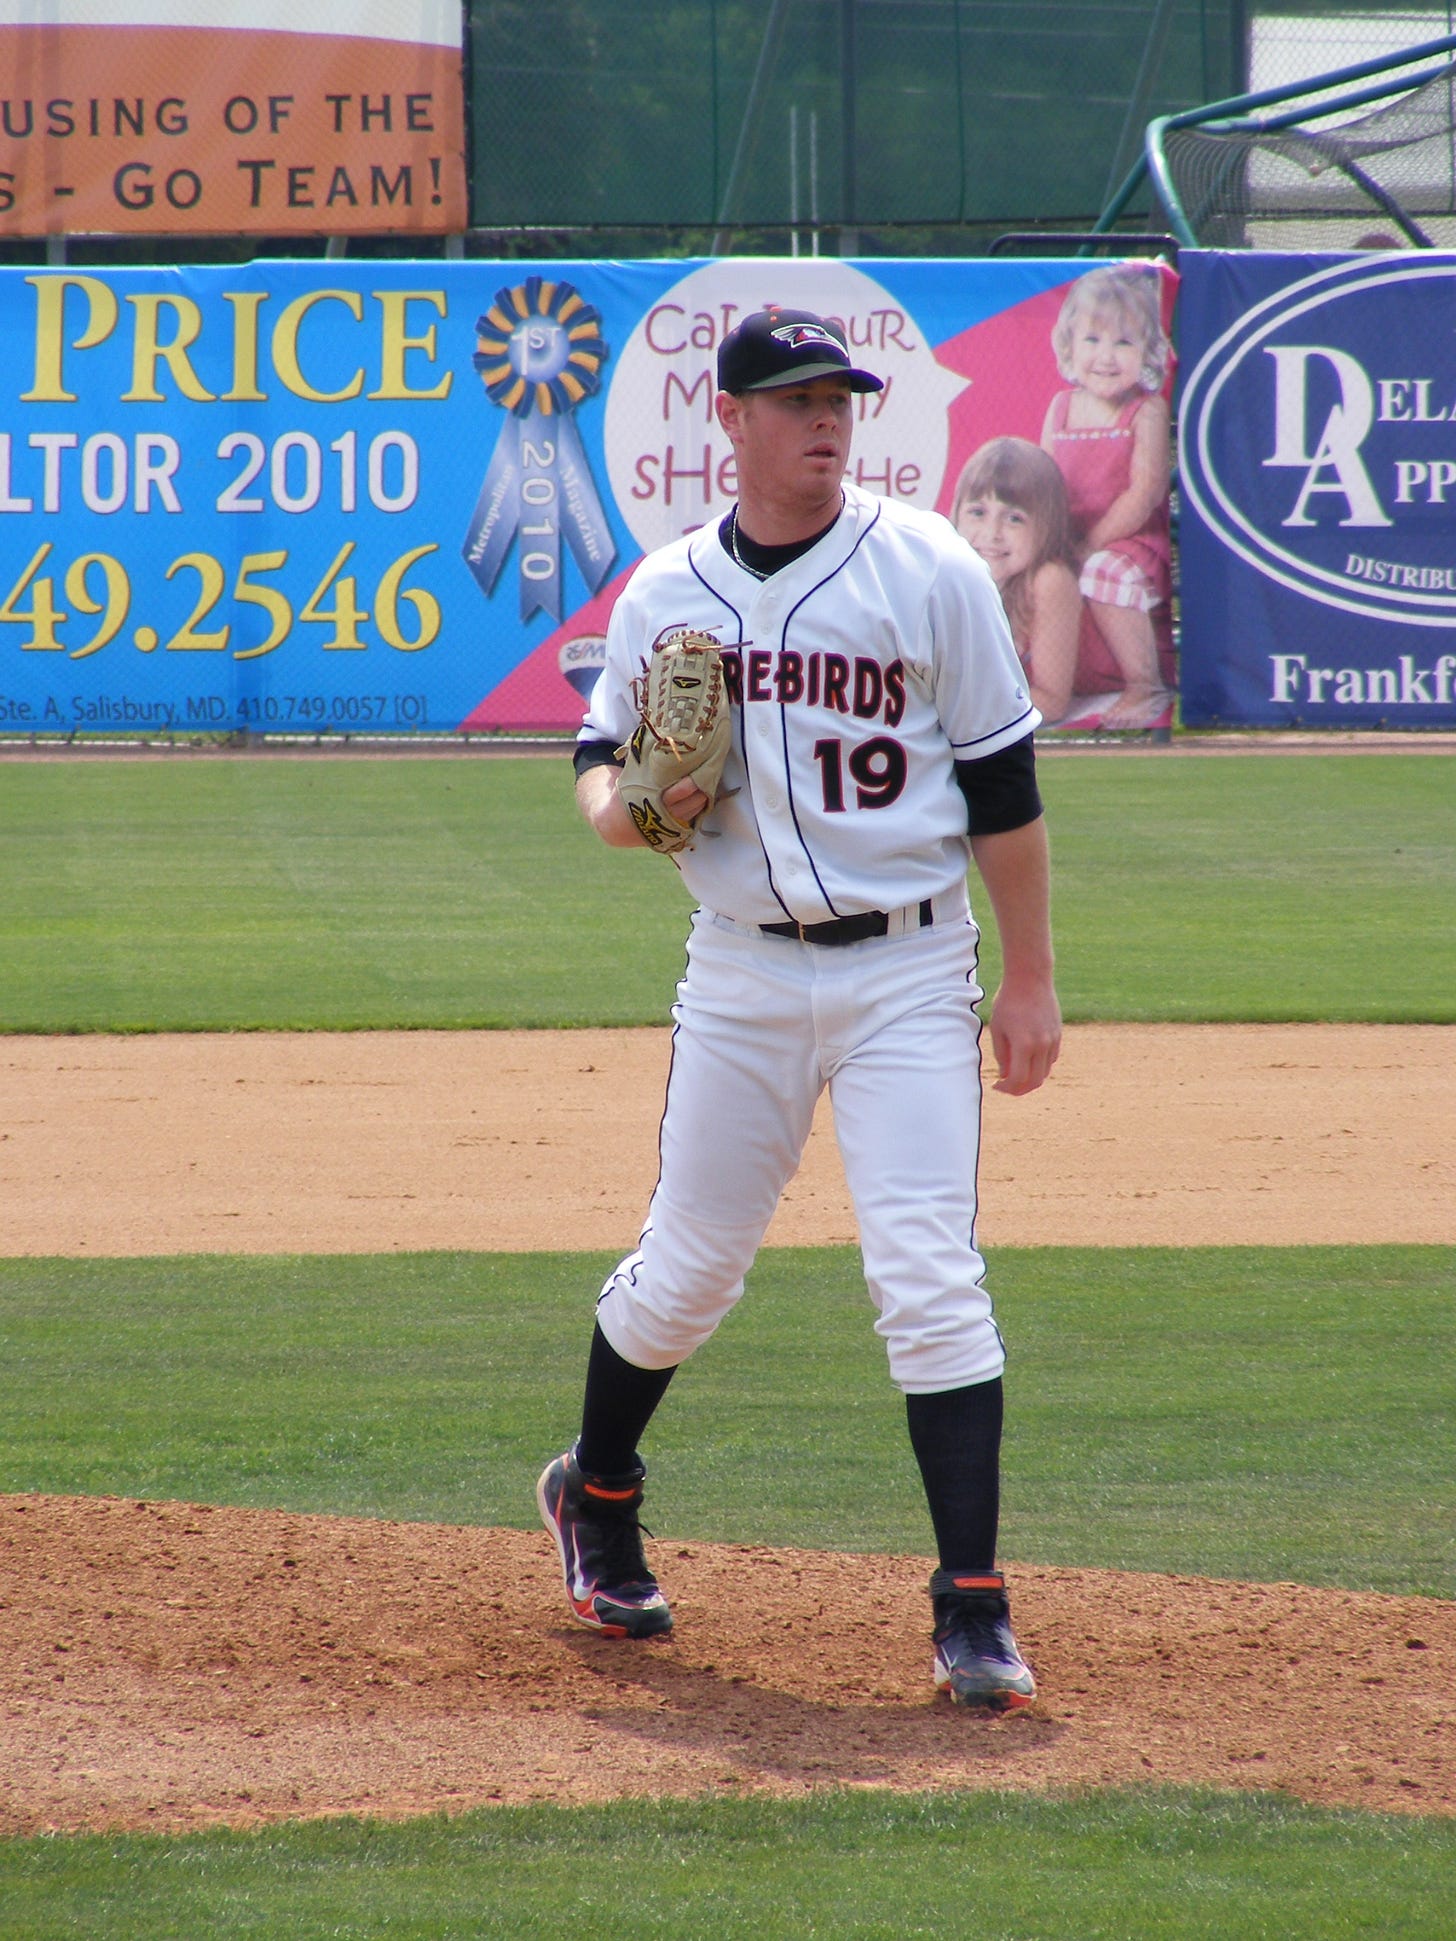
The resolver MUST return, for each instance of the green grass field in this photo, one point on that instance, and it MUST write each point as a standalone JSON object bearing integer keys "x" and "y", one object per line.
{"x": 1268, "y": 1414}
{"x": 192, "y": 892}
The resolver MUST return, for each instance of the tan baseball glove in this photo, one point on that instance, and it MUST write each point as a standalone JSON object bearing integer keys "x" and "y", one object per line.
{"x": 686, "y": 730}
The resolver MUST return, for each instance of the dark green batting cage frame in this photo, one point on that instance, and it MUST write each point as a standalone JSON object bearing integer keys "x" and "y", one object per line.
{"x": 1344, "y": 164}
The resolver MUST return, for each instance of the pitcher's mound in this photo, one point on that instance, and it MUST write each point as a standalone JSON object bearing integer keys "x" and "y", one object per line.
{"x": 166, "y": 1665}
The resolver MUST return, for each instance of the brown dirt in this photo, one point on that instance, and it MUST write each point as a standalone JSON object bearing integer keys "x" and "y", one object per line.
{"x": 170, "y": 1665}
{"x": 366, "y": 1142}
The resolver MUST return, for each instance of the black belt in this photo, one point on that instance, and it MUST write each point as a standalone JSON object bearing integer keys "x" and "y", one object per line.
{"x": 845, "y": 930}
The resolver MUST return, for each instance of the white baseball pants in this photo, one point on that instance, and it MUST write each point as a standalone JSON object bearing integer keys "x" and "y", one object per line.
{"x": 762, "y": 1025}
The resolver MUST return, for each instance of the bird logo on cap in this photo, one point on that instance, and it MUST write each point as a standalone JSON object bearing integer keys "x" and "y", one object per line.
{"x": 792, "y": 335}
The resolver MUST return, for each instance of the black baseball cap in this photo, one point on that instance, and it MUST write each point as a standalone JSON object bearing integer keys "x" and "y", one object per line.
{"x": 774, "y": 347}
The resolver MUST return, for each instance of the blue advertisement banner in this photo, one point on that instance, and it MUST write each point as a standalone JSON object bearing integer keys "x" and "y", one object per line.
{"x": 400, "y": 497}
{"x": 1317, "y": 470}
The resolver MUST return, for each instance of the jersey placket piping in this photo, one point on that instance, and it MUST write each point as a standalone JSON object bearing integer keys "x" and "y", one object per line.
{"x": 742, "y": 644}
{"x": 789, "y": 617}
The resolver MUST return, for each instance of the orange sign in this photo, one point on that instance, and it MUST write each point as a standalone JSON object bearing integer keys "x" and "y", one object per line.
{"x": 113, "y": 120}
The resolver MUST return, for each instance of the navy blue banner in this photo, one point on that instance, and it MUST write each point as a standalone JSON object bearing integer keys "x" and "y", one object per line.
{"x": 1317, "y": 463}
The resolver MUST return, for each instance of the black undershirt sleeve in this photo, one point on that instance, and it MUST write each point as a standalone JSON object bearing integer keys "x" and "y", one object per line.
{"x": 594, "y": 754}
{"x": 1000, "y": 789}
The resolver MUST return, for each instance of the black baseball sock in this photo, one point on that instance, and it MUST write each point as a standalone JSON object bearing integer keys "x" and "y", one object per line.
{"x": 620, "y": 1400}
{"x": 956, "y": 1436}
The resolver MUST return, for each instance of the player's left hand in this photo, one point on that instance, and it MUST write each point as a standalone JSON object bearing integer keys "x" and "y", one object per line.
{"x": 1026, "y": 1035}
{"x": 684, "y": 734}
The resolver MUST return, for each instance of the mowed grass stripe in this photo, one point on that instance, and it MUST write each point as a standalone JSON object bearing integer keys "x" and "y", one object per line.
{"x": 194, "y": 892}
{"x": 1271, "y": 1414}
{"x": 862, "y": 1866}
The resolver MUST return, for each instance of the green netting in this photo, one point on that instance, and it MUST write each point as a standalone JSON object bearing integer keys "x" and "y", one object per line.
{"x": 797, "y": 113}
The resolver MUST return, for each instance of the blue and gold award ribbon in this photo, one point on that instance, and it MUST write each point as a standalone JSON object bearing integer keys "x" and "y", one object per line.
{"x": 539, "y": 352}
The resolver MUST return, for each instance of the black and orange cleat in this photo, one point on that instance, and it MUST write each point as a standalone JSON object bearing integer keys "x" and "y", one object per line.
{"x": 594, "y": 1522}
{"x": 976, "y": 1659}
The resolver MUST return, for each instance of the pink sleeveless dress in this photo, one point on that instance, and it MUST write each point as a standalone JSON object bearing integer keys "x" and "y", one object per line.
{"x": 1135, "y": 571}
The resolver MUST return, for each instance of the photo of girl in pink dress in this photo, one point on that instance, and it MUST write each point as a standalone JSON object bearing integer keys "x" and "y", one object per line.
{"x": 1108, "y": 432}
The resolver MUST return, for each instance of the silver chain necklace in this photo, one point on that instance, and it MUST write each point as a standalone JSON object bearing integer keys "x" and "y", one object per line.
{"x": 752, "y": 571}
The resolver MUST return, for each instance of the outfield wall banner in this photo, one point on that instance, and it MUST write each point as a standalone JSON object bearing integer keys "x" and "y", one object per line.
{"x": 401, "y": 498}
{"x": 1317, "y": 467}
{"x": 231, "y": 116}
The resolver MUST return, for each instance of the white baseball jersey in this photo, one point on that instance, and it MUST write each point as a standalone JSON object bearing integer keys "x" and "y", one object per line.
{"x": 859, "y": 673}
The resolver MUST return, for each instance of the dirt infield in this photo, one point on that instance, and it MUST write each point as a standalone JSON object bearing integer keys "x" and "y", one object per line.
{"x": 170, "y": 1666}
{"x": 366, "y": 1142}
